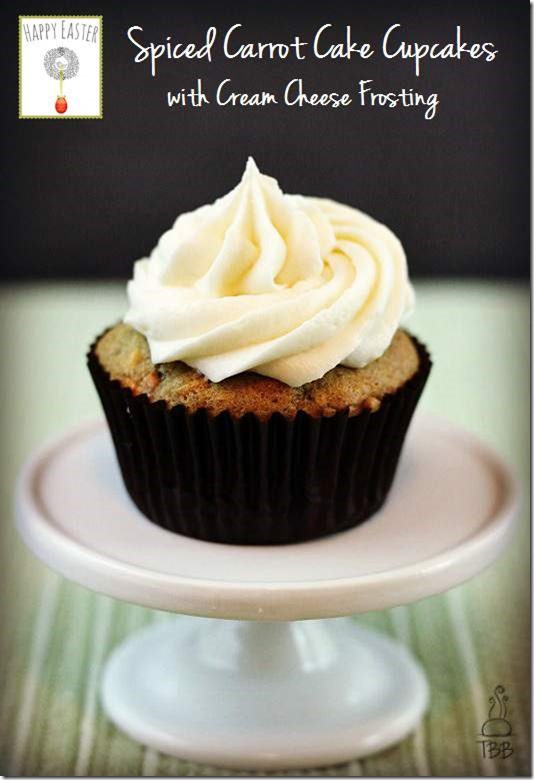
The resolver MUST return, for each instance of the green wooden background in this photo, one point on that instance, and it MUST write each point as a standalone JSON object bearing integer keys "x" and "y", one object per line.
{"x": 55, "y": 635}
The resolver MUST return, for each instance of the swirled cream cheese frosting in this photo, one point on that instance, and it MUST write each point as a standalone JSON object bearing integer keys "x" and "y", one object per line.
{"x": 288, "y": 286}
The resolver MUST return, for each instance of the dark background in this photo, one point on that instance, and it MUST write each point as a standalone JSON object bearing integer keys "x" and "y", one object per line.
{"x": 85, "y": 198}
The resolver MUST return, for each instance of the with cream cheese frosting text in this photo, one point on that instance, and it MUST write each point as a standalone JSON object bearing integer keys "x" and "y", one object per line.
{"x": 287, "y": 286}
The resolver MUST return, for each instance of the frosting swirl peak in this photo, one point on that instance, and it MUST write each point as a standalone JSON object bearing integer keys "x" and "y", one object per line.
{"x": 284, "y": 285}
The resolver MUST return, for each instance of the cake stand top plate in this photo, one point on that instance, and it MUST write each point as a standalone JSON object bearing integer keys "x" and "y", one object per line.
{"x": 449, "y": 514}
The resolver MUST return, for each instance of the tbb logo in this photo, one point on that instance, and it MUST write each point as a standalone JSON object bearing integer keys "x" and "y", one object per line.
{"x": 492, "y": 749}
{"x": 497, "y": 730}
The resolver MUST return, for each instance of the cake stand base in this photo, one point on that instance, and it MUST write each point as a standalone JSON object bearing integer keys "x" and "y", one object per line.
{"x": 263, "y": 695}
{"x": 252, "y": 690}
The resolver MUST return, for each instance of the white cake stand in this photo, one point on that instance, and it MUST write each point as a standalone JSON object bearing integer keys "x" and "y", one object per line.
{"x": 255, "y": 690}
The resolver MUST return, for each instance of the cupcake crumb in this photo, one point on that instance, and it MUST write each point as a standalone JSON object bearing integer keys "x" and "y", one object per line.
{"x": 124, "y": 354}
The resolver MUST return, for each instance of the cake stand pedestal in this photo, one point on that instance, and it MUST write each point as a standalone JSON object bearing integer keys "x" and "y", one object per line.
{"x": 267, "y": 687}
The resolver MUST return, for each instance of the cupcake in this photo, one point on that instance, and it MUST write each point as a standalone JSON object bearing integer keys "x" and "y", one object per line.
{"x": 261, "y": 384}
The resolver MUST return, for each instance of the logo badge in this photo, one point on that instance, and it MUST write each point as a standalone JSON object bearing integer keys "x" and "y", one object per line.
{"x": 60, "y": 67}
{"x": 496, "y": 731}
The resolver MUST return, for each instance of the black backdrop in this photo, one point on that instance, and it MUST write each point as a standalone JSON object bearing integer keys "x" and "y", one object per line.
{"x": 85, "y": 198}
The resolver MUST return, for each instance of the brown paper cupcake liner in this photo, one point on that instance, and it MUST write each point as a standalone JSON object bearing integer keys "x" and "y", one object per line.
{"x": 246, "y": 481}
